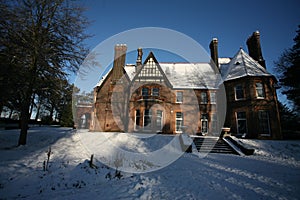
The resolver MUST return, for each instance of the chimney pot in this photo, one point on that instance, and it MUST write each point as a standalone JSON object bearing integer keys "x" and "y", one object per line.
{"x": 119, "y": 61}
{"x": 139, "y": 59}
{"x": 214, "y": 51}
{"x": 254, "y": 48}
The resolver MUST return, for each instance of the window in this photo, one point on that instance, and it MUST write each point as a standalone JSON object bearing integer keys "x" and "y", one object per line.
{"x": 264, "y": 123}
{"x": 241, "y": 123}
{"x": 260, "y": 92}
{"x": 239, "y": 92}
{"x": 214, "y": 123}
{"x": 179, "y": 97}
{"x": 204, "y": 123}
{"x": 147, "y": 119}
{"x": 159, "y": 121}
{"x": 155, "y": 91}
{"x": 144, "y": 92}
{"x": 137, "y": 119}
{"x": 179, "y": 121}
{"x": 204, "y": 97}
{"x": 212, "y": 97}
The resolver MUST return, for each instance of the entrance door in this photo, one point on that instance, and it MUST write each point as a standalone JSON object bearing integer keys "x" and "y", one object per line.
{"x": 147, "y": 119}
{"x": 159, "y": 120}
{"x": 204, "y": 123}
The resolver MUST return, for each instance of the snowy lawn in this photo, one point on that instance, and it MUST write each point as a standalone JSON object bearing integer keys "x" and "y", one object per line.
{"x": 273, "y": 172}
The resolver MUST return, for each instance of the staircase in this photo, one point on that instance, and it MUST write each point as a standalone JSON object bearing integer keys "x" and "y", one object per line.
{"x": 208, "y": 144}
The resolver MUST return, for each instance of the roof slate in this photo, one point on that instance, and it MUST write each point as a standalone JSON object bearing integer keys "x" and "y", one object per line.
{"x": 202, "y": 75}
{"x": 242, "y": 65}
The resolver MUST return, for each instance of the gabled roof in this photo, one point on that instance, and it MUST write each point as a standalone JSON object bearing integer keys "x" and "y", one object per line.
{"x": 180, "y": 75}
{"x": 199, "y": 75}
{"x": 191, "y": 75}
{"x": 151, "y": 71}
{"x": 242, "y": 65}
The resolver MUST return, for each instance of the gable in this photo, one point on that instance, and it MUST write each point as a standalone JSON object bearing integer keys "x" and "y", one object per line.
{"x": 151, "y": 71}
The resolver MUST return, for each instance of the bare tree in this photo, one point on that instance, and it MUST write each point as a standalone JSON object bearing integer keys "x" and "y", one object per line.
{"x": 43, "y": 41}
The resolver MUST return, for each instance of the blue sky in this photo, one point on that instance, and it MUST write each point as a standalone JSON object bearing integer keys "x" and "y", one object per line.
{"x": 231, "y": 21}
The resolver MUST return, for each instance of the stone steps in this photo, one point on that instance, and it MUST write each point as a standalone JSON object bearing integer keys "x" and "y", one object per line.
{"x": 213, "y": 145}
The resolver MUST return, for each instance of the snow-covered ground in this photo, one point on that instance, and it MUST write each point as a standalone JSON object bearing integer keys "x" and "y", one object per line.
{"x": 273, "y": 172}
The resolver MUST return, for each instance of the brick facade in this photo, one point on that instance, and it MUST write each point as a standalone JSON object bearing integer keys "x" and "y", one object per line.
{"x": 150, "y": 97}
{"x": 251, "y": 105}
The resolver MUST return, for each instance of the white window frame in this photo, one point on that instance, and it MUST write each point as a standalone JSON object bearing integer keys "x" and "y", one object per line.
{"x": 160, "y": 117}
{"x": 235, "y": 92}
{"x": 135, "y": 125}
{"x": 261, "y": 120}
{"x": 155, "y": 93}
{"x": 143, "y": 94}
{"x": 212, "y": 96}
{"x": 204, "y": 99}
{"x": 177, "y": 97}
{"x": 150, "y": 117}
{"x": 214, "y": 122}
{"x": 241, "y": 119}
{"x": 204, "y": 120}
{"x": 177, "y": 119}
{"x": 260, "y": 88}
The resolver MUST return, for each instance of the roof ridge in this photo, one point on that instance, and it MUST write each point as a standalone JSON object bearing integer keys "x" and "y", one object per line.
{"x": 243, "y": 60}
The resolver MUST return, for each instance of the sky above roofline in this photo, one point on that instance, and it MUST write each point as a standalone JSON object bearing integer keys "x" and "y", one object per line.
{"x": 232, "y": 22}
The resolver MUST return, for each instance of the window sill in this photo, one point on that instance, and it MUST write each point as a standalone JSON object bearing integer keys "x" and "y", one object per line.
{"x": 240, "y": 99}
{"x": 265, "y": 135}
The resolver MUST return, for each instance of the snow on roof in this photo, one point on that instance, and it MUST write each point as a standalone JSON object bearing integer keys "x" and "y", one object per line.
{"x": 102, "y": 79}
{"x": 191, "y": 75}
{"x": 242, "y": 65}
{"x": 185, "y": 75}
{"x": 202, "y": 75}
{"x": 130, "y": 70}
{"x": 223, "y": 61}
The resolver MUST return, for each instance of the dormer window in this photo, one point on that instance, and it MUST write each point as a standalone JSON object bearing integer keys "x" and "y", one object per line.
{"x": 260, "y": 92}
{"x": 239, "y": 92}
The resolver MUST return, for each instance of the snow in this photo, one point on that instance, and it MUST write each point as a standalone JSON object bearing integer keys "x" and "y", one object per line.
{"x": 242, "y": 65}
{"x": 271, "y": 173}
{"x": 191, "y": 75}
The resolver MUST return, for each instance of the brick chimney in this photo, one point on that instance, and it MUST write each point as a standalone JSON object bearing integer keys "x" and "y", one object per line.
{"x": 119, "y": 61}
{"x": 214, "y": 51}
{"x": 139, "y": 59}
{"x": 254, "y": 48}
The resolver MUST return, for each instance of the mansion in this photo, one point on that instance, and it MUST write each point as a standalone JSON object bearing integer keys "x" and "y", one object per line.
{"x": 196, "y": 98}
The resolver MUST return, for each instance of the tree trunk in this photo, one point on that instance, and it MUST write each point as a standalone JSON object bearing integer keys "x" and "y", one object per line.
{"x": 32, "y": 105}
{"x": 24, "y": 122}
{"x": 1, "y": 108}
{"x": 10, "y": 113}
{"x": 51, "y": 112}
{"x": 38, "y": 111}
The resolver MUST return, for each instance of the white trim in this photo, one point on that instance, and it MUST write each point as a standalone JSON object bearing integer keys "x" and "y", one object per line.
{"x": 204, "y": 102}
{"x": 263, "y": 91}
{"x": 181, "y": 97}
{"x": 243, "y": 89}
{"x": 181, "y": 119}
{"x": 268, "y": 119}
{"x": 237, "y": 124}
{"x": 204, "y": 120}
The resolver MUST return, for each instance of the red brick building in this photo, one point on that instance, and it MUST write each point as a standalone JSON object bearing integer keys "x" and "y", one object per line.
{"x": 170, "y": 98}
